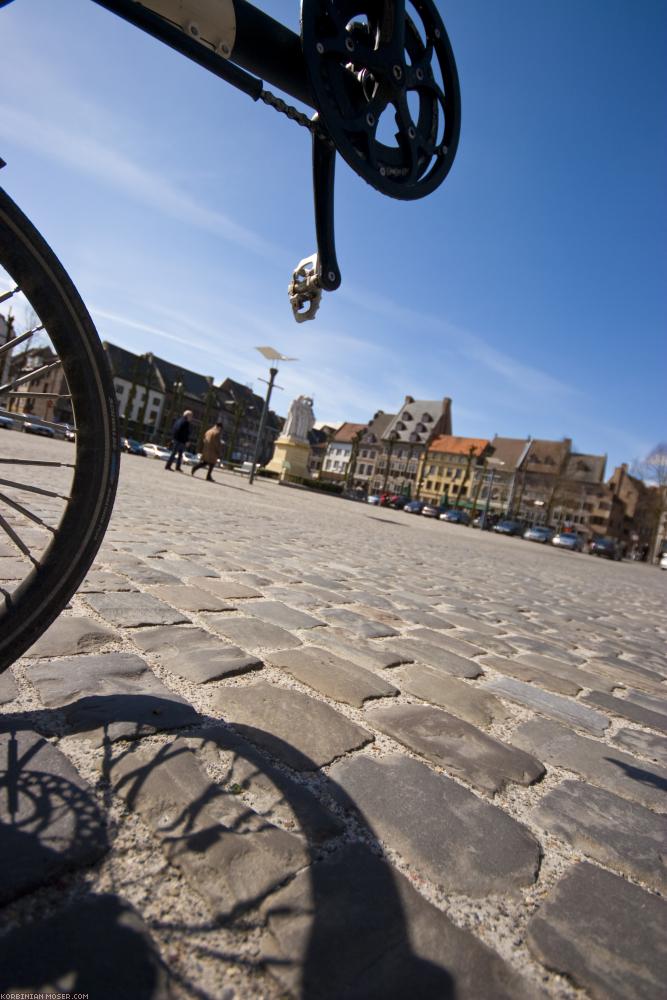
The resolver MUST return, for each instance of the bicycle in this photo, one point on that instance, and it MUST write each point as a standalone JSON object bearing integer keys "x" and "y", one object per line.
{"x": 356, "y": 63}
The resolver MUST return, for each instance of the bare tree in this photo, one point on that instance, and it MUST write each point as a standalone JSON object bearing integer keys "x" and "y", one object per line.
{"x": 653, "y": 470}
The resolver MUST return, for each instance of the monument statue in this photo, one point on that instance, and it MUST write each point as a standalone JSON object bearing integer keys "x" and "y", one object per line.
{"x": 300, "y": 419}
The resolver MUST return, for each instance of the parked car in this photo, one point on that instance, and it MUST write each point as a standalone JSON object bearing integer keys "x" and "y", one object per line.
{"x": 509, "y": 528}
{"x": 538, "y": 533}
{"x": 430, "y": 510}
{"x": 455, "y": 516}
{"x": 69, "y": 432}
{"x": 373, "y": 498}
{"x": 414, "y": 507}
{"x": 132, "y": 447}
{"x": 610, "y": 548}
{"x": 485, "y": 521}
{"x": 157, "y": 451}
{"x": 189, "y": 458}
{"x": 568, "y": 540}
{"x": 6, "y": 423}
{"x": 398, "y": 501}
{"x": 34, "y": 427}
{"x": 663, "y": 560}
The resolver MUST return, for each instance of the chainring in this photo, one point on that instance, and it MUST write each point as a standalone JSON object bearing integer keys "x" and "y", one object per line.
{"x": 385, "y": 83}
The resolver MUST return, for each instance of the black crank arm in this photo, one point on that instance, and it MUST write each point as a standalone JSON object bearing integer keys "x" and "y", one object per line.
{"x": 324, "y": 166}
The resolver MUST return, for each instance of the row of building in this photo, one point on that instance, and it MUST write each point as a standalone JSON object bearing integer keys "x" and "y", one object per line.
{"x": 151, "y": 393}
{"x": 413, "y": 452}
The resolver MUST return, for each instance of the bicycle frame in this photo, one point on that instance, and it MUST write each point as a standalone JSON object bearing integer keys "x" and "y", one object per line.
{"x": 247, "y": 41}
{"x": 350, "y": 74}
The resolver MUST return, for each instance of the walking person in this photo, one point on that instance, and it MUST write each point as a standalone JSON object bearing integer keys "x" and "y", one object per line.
{"x": 211, "y": 450}
{"x": 180, "y": 435}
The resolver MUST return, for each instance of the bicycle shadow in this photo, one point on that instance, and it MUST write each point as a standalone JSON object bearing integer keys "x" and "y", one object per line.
{"x": 335, "y": 926}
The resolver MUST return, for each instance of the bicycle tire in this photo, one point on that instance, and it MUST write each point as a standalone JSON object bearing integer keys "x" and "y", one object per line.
{"x": 48, "y": 586}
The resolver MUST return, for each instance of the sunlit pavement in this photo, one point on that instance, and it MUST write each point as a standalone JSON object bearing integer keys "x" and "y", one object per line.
{"x": 284, "y": 744}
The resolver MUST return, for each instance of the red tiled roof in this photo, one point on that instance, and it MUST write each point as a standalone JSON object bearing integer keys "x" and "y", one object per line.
{"x": 346, "y": 432}
{"x": 450, "y": 444}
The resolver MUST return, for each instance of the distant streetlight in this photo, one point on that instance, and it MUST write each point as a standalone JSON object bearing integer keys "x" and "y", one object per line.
{"x": 495, "y": 464}
{"x": 271, "y": 354}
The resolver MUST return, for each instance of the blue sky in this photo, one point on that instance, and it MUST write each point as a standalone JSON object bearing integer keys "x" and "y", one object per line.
{"x": 531, "y": 287}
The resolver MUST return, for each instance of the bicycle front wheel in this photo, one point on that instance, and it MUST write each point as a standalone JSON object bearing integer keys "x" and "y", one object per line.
{"x": 56, "y": 496}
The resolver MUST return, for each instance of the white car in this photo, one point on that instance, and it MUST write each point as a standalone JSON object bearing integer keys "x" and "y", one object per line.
{"x": 157, "y": 451}
{"x": 663, "y": 560}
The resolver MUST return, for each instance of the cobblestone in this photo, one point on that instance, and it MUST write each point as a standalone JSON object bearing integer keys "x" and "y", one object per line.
{"x": 608, "y": 935}
{"x": 238, "y": 817}
{"x": 332, "y": 676}
{"x": 454, "y": 744}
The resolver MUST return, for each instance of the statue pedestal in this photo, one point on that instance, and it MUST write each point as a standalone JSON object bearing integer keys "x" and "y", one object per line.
{"x": 290, "y": 458}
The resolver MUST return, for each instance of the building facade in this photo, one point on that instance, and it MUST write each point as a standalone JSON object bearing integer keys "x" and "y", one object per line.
{"x": 370, "y": 447}
{"x": 447, "y": 468}
{"x": 341, "y": 453}
{"x": 404, "y": 442}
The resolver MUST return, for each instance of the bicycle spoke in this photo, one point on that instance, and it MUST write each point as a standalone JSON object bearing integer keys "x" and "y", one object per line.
{"x": 30, "y": 461}
{"x": 33, "y": 489}
{"x": 11, "y": 344}
{"x": 5, "y": 296}
{"x": 41, "y": 395}
{"x": 29, "y": 376}
{"x": 18, "y": 542}
{"x": 26, "y": 513}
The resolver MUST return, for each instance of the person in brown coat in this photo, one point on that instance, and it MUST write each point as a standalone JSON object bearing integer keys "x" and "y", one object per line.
{"x": 211, "y": 450}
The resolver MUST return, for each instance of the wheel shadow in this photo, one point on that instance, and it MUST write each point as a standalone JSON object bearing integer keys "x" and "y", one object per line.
{"x": 336, "y": 927}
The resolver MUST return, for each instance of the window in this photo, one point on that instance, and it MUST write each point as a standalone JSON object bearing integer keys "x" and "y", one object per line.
{"x": 429, "y": 484}
{"x": 458, "y": 473}
{"x": 431, "y": 470}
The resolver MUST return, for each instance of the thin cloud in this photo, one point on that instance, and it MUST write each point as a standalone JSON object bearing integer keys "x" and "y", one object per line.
{"x": 107, "y": 166}
{"x": 468, "y": 345}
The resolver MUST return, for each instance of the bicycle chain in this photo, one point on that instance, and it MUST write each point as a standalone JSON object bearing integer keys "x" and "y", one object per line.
{"x": 294, "y": 115}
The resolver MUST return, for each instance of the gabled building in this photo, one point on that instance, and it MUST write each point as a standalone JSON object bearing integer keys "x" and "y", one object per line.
{"x": 342, "y": 449}
{"x": 152, "y": 393}
{"x": 370, "y": 447}
{"x": 446, "y": 474}
{"x": 240, "y": 410}
{"x": 496, "y": 479}
{"x": 318, "y": 440}
{"x": 637, "y": 511}
{"x": 405, "y": 440}
{"x": 538, "y": 475}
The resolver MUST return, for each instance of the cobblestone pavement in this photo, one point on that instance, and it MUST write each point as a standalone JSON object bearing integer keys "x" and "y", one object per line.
{"x": 284, "y": 745}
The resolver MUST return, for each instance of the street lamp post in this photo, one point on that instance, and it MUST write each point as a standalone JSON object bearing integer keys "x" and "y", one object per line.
{"x": 494, "y": 465}
{"x": 262, "y": 420}
{"x": 271, "y": 354}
